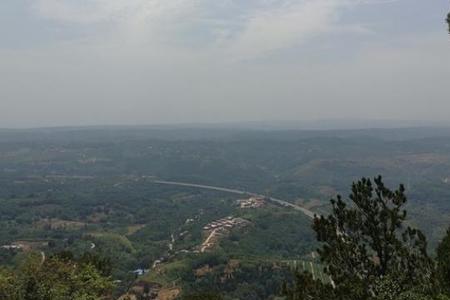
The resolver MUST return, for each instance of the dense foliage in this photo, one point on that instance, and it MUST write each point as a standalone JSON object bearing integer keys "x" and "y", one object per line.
{"x": 370, "y": 252}
{"x": 54, "y": 278}
{"x": 250, "y": 280}
{"x": 92, "y": 191}
{"x": 448, "y": 22}
{"x": 443, "y": 260}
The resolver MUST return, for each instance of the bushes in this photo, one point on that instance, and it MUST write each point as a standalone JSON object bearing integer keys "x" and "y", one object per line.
{"x": 372, "y": 254}
{"x": 56, "y": 279}
{"x": 443, "y": 262}
{"x": 211, "y": 259}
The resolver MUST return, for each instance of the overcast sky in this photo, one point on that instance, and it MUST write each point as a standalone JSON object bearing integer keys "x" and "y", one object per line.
{"x": 86, "y": 62}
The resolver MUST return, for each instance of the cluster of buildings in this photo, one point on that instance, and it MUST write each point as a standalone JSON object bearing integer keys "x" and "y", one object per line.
{"x": 220, "y": 228}
{"x": 222, "y": 223}
{"x": 140, "y": 272}
{"x": 12, "y": 247}
{"x": 252, "y": 202}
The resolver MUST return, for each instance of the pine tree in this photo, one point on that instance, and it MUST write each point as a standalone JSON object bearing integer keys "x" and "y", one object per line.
{"x": 365, "y": 239}
{"x": 443, "y": 262}
{"x": 448, "y": 22}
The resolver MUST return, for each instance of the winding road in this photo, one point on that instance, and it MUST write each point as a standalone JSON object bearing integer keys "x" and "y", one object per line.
{"x": 305, "y": 211}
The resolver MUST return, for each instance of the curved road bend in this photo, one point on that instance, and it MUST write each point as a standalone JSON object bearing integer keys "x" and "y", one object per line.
{"x": 305, "y": 211}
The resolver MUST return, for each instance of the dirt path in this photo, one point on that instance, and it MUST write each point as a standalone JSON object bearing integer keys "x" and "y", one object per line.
{"x": 206, "y": 242}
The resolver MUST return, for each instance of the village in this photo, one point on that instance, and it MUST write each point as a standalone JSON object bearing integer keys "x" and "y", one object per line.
{"x": 216, "y": 230}
{"x": 221, "y": 228}
{"x": 252, "y": 202}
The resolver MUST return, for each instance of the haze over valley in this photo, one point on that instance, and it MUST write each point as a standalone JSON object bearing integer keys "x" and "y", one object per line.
{"x": 224, "y": 150}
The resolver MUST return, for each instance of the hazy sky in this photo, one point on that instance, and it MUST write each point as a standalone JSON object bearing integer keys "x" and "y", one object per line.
{"x": 84, "y": 62}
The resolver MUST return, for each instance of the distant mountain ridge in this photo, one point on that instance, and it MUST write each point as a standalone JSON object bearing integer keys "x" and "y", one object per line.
{"x": 252, "y": 131}
{"x": 319, "y": 124}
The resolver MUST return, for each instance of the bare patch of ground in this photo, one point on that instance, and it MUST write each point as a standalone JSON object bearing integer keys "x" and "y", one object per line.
{"x": 169, "y": 294}
{"x": 203, "y": 271}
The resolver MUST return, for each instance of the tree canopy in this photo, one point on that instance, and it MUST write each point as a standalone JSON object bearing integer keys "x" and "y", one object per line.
{"x": 368, "y": 239}
{"x": 371, "y": 252}
{"x": 448, "y": 22}
{"x": 443, "y": 258}
{"x": 54, "y": 278}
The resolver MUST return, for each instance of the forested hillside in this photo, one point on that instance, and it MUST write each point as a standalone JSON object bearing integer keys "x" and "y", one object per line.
{"x": 98, "y": 191}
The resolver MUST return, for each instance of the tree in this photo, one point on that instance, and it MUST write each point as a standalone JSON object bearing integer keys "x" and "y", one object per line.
{"x": 55, "y": 279}
{"x": 443, "y": 262}
{"x": 8, "y": 283}
{"x": 102, "y": 263}
{"x": 448, "y": 22}
{"x": 365, "y": 240}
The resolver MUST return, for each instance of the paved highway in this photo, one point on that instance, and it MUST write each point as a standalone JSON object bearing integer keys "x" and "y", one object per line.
{"x": 305, "y": 211}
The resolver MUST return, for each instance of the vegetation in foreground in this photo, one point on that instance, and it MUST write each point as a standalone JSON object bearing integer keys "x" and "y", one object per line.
{"x": 371, "y": 253}
{"x": 57, "y": 278}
